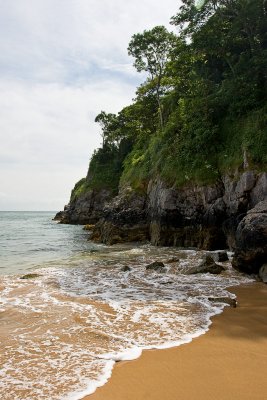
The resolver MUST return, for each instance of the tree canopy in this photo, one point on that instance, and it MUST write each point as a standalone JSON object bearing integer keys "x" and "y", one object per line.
{"x": 208, "y": 85}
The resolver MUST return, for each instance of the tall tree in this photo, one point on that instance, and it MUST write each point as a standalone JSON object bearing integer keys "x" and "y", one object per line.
{"x": 107, "y": 121}
{"x": 151, "y": 51}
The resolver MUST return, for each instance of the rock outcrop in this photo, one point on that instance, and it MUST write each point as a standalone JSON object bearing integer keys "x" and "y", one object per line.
{"x": 157, "y": 266}
{"x": 124, "y": 219}
{"x": 187, "y": 217}
{"x": 204, "y": 217}
{"x": 251, "y": 241}
{"x": 226, "y": 214}
{"x": 85, "y": 209}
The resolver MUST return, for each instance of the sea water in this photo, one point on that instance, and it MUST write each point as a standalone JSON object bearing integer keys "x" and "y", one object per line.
{"x": 62, "y": 332}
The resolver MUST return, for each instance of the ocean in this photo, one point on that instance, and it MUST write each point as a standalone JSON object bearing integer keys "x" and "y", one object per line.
{"x": 62, "y": 331}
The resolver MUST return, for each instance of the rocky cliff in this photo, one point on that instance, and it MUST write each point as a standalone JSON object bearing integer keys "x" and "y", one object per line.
{"x": 203, "y": 216}
{"x": 193, "y": 216}
{"x": 86, "y": 208}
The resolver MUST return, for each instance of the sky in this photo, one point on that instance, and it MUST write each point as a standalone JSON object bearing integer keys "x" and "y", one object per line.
{"x": 61, "y": 63}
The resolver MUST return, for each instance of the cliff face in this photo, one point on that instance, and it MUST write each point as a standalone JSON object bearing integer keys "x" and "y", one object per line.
{"x": 251, "y": 242}
{"x": 194, "y": 216}
{"x": 207, "y": 217}
{"x": 85, "y": 209}
{"x": 124, "y": 219}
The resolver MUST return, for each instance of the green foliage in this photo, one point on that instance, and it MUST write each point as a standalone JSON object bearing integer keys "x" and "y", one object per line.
{"x": 247, "y": 133}
{"x": 106, "y": 166}
{"x": 109, "y": 124}
{"x": 152, "y": 50}
{"x": 209, "y": 87}
{"x": 80, "y": 187}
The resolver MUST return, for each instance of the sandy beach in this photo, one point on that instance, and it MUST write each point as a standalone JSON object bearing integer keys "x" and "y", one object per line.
{"x": 229, "y": 362}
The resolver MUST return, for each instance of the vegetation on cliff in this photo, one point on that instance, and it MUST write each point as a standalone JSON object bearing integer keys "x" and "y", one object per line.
{"x": 203, "y": 107}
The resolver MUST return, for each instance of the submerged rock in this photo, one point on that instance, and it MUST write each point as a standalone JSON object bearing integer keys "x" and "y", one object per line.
{"x": 88, "y": 227}
{"x": 125, "y": 268}
{"x": 156, "y": 266}
{"x": 172, "y": 260}
{"x": 208, "y": 265}
{"x": 226, "y": 300}
{"x": 251, "y": 241}
{"x": 30, "y": 276}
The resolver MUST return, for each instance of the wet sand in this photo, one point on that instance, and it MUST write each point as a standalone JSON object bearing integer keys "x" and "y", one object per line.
{"x": 227, "y": 363}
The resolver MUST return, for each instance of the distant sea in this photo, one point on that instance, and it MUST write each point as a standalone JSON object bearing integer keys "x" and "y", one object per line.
{"x": 31, "y": 239}
{"x": 62, "y": 331}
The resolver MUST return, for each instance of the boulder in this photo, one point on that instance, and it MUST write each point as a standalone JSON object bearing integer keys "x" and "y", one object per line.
{"x": 219, "y": 256}
{"x": 226, "y": 300}
{"x": 208, "y": 265}
{"x": 251, "y": 241}
{"x": 30, "y": 276}
{"x": 157, "y": 266}
{"x": 172, "y": 260}
{"x": 125, "y": 268}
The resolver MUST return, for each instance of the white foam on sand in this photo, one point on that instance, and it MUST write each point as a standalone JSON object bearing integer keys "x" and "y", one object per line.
{"x": 71, "y": 325}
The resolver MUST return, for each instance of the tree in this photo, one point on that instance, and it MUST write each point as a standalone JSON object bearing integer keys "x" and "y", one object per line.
{"x": 107, "y": 122}
{"x": 151, "y": 50}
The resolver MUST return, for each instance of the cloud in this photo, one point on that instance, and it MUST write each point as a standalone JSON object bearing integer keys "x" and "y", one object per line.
{"x": 61, "y": 63}
{"x": 47, "y": 134}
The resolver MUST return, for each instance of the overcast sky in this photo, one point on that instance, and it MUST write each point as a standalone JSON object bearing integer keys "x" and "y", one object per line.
{"x": 61, "y": 63}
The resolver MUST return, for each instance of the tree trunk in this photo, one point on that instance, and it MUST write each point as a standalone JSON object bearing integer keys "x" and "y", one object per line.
{"x": 160, "y": 109}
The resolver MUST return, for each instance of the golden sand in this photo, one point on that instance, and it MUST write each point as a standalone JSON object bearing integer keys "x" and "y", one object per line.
{"x": 227, "y": 363}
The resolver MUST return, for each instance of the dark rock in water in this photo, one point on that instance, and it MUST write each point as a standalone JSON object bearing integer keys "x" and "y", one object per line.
{"x": 226, "y": 300}
{"x": 251, "y": 240}
{"x": 263, "y": 273}
{"x": 30, "y": 276}
{"x": 208, "y": 265}
{"x": 124, "y": 286}
{"x": 156, "y": 266}
{"x": 172, "y": 260}
{"x": 59, "y": 216}
{"x": 219, "y": 256}
{"x": 125, "y": 268}
{"x": 88, "y": 227}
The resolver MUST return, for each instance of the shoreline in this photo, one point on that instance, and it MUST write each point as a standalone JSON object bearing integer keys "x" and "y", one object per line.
{"x": 227, "y": 362}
